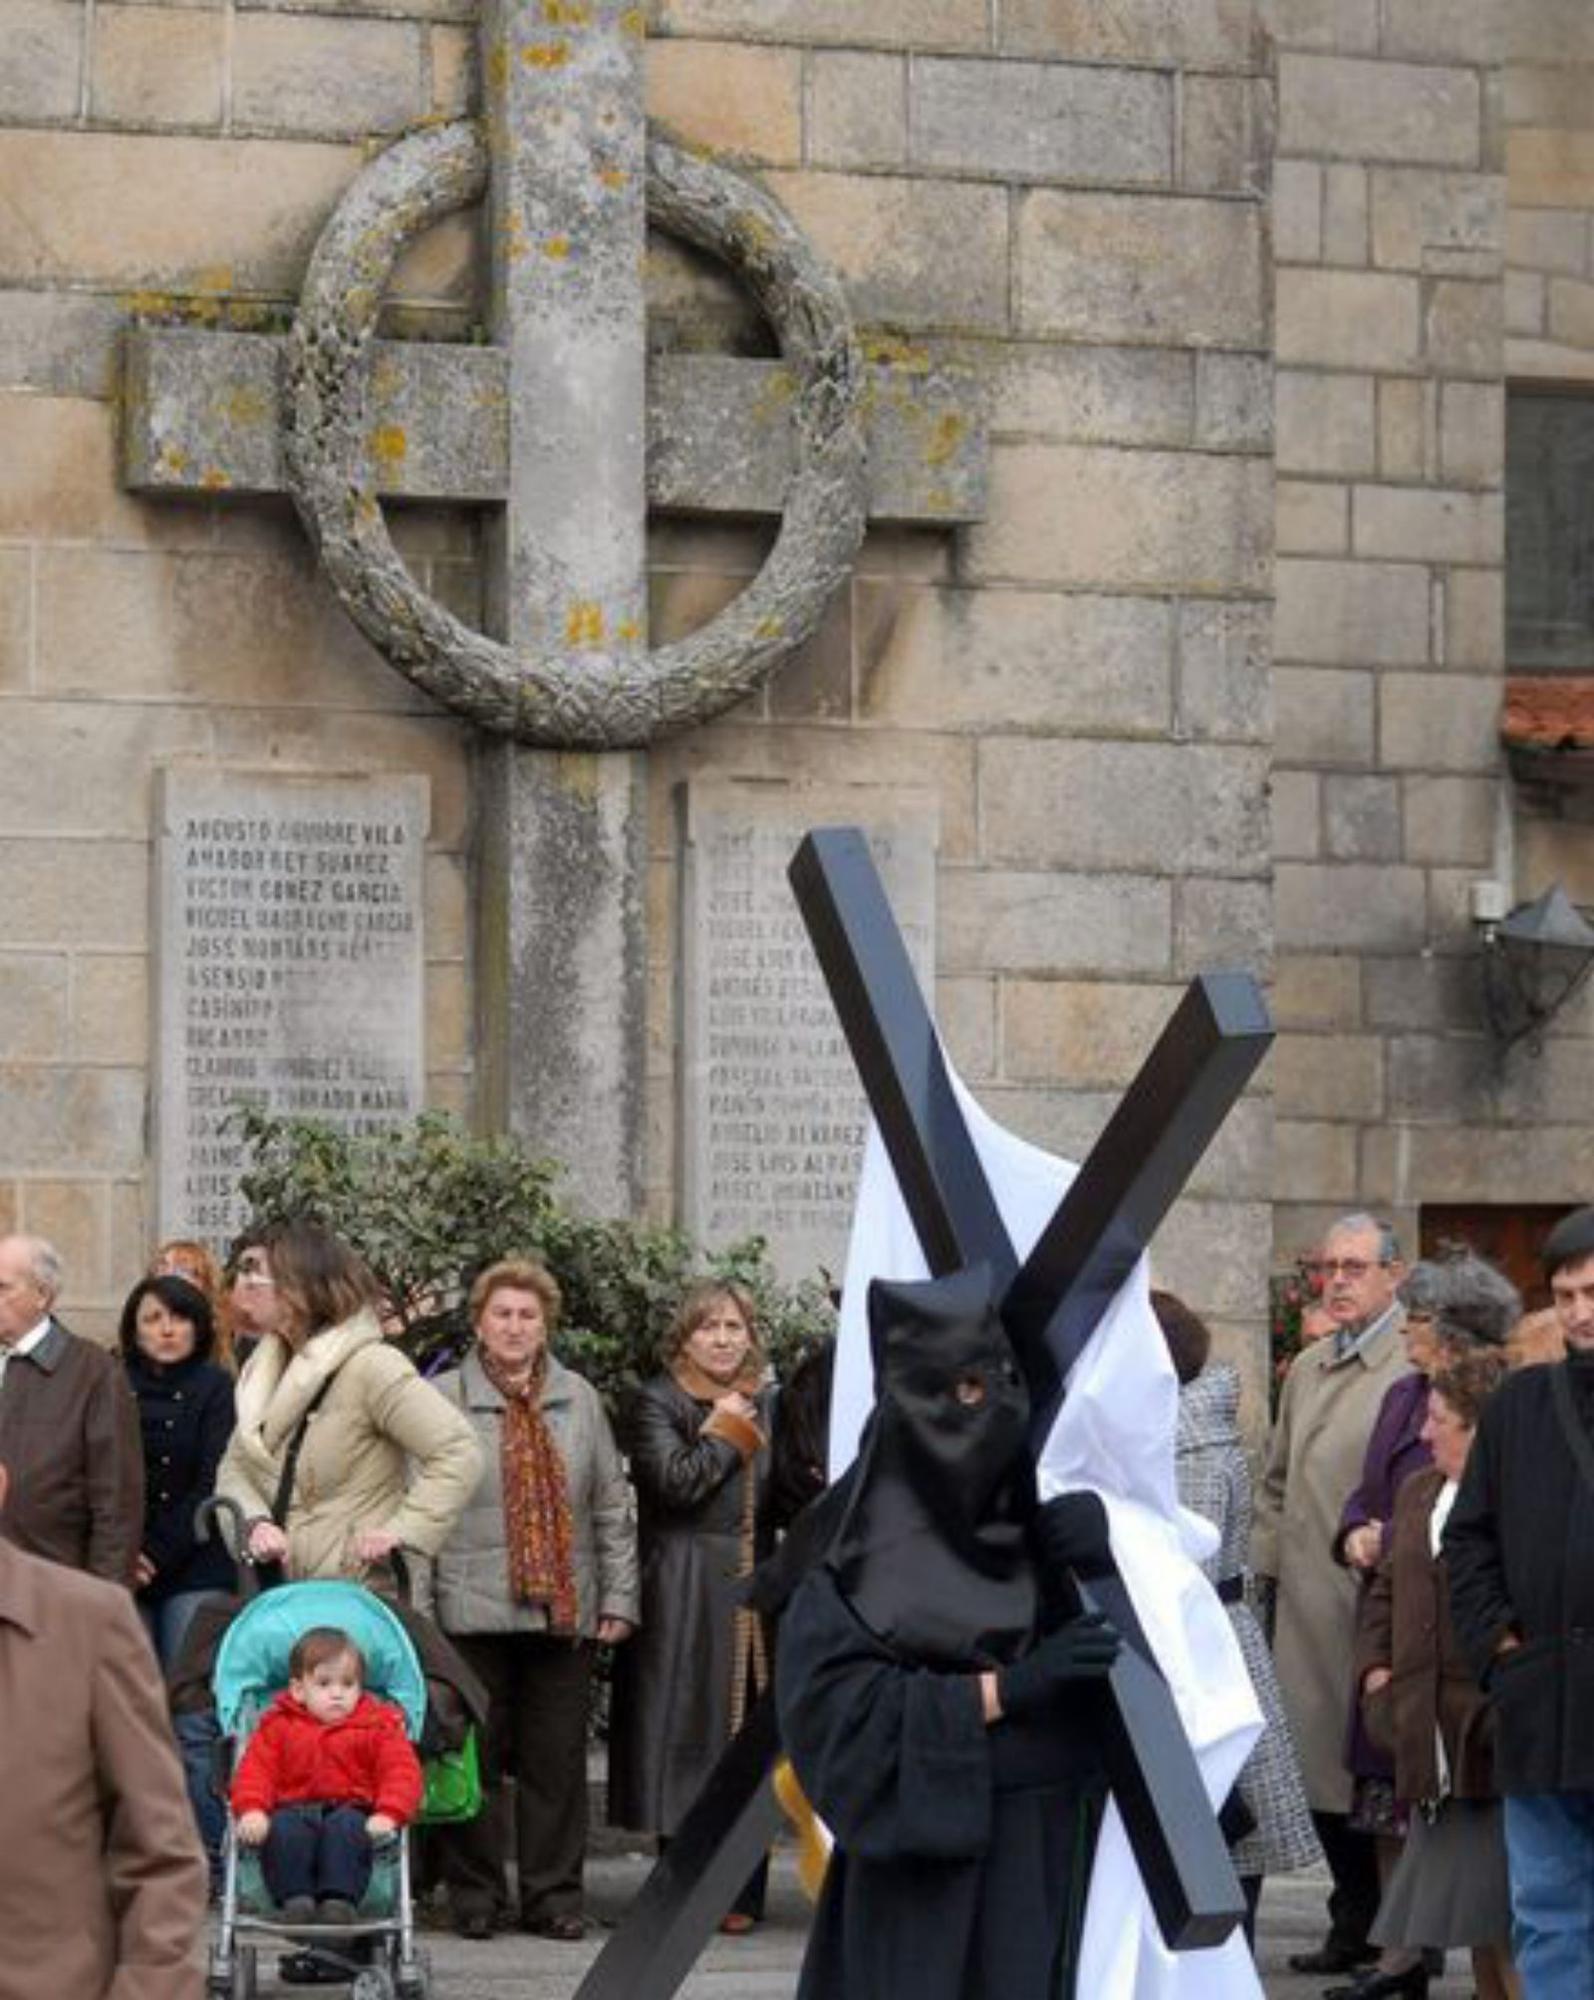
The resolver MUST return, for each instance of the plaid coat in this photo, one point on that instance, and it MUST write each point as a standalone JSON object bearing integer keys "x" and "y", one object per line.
{"x": 1215, "y": 1482}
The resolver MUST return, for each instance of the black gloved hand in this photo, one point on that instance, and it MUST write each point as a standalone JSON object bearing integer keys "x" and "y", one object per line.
{"x": 1082, "y": 1650}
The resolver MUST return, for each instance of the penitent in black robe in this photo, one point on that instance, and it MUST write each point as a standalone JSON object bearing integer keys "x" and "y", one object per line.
{"x": 962, "y": 1853}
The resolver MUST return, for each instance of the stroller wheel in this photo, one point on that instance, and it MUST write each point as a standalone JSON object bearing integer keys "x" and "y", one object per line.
{"x": 371, "y": 1984}
{"x": 415, "y": 1984}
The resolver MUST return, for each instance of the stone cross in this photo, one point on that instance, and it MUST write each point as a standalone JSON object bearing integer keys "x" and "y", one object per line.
{"x": 566, "y": 431}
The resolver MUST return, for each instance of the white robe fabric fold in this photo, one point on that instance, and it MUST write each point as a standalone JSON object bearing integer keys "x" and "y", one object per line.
{"x": 1114, "y": 1436}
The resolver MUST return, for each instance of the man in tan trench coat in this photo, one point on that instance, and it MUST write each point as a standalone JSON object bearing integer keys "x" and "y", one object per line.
{"x": 102, "y": 1882}
{"x": 1326, "y": 1414}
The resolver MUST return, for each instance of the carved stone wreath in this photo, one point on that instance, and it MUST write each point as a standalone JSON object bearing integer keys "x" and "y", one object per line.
{"x": 590, "y": 699}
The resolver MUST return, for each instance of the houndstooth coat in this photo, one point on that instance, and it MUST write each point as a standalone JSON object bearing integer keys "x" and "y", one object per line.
{"x": 1215, "y": 1482}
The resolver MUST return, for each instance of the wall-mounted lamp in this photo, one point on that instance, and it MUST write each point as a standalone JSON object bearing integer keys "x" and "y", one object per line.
{"x": 1534, "y": 960}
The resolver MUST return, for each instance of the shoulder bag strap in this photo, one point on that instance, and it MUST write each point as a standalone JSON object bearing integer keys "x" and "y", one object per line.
{"x": 290, "y": 1459}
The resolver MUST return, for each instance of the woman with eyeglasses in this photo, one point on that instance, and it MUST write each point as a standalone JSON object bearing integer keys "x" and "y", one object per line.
{"x": 342, "y": 1452}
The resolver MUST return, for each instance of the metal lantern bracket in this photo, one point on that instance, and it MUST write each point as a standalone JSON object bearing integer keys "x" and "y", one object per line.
{"x": 1534, "y": 960}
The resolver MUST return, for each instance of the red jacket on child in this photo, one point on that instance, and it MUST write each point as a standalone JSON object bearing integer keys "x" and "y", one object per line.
{"x": 365, "y": 1760}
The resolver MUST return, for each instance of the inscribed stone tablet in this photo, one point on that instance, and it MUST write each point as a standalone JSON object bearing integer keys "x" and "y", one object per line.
{"x": 291, "y": 957}
{"x": 772, "y": 1113}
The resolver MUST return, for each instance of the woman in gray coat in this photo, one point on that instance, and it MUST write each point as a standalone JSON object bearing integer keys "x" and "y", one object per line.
{"x": 540, "y": 1571}
{"x": 697, "y": 1437}
{"x": 1214, "y": 1481}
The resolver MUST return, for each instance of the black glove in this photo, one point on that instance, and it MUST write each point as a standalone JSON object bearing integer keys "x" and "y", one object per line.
{"x": 1082, "y": 1650}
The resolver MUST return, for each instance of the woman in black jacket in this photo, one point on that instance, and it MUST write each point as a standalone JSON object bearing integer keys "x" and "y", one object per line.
{"x": 185, "y": 1411}
{"x": 697, "y": 1438}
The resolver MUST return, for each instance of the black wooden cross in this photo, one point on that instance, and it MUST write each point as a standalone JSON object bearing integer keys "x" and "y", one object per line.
{"x": 1051, "y": 1305}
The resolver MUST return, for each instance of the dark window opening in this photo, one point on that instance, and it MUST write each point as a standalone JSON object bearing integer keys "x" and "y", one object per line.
{"x": 1549, "y": 531}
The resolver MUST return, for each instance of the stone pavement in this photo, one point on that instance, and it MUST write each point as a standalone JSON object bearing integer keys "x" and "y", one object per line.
{"x": 764, "y": 1965}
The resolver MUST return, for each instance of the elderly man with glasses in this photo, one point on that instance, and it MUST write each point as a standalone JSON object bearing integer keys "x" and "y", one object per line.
{"x": 1329, "y": 1405}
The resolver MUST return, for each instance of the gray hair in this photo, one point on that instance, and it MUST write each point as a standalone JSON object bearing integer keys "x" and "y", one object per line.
{"x": 1357, "y": 1223}
{"x": 1474, "y": 1304}
{"x": 44, "y": 1263}
{"x": 1422, "y": 1289}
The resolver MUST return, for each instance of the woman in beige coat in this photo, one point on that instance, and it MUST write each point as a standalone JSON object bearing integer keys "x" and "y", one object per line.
{"x": 383, "y": 1460}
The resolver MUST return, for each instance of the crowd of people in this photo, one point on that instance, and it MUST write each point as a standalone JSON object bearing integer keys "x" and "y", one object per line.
{"x": 1409, "y": 1587}
{"x": 1424, "y": 1572}
{"x": 495, "y": 1493}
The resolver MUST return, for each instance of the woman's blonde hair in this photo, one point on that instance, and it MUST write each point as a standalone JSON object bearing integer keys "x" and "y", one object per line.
{"x": 517, "y": 1274}
{"x": 699, "y": 1302}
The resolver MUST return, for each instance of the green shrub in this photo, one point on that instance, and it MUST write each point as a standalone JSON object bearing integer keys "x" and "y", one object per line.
{"x": 428, "y": 1206}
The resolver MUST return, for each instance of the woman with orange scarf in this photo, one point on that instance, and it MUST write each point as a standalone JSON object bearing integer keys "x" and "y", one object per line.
{"x": 540, "y": 1571}
{"x": 697, "y": 1437}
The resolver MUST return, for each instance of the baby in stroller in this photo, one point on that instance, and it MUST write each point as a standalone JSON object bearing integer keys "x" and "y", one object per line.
{"x": 328, "y": 1772}
{"x": 320, "y": 1691}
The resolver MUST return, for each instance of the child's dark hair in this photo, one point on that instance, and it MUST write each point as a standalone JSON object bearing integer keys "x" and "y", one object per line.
{"x": 320, "y": 1644}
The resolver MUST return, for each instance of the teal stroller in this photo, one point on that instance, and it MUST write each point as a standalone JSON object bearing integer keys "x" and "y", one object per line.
{"x": 377, "y": 1953}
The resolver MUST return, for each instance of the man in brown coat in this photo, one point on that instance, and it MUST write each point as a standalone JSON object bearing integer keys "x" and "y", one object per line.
{"x": 102, "y": 1888}
{"x": 1326, "y": 1414}
{"x": 68, "y": 1428}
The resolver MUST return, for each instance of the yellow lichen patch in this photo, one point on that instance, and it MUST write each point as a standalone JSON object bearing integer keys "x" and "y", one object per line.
{"x": 246, "y": 408}
{"x": 214, "y": 480}
{"x": 497, "y": 66}
{"x": 577, "y": 774}
{"x": 213, "y": 278}
{"x": 567, "y": 13}
{"x": 774, "y": 397}
{"x": 557, "y": 247}
{"x": 172, "y": 462}
{"x": 389, "y": 448}
{"x": 939, "y": 500}
{"x": 634, "y": 22}
{"x": 945, "y": 438}
{"x": 769, "y": 628}
{"x": 628, "y": 631}
{"x": 890, "y": 350}
{"x": 545, "y": 55}
{"x": 613, "y": 177}
{"x": 386, "y": 376}
{"x": 584, "y": 624}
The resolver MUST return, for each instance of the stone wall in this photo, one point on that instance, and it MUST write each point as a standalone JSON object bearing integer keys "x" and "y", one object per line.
{"x": 160, "y": 160}
{"x": 1070, "y": 201}
{"x": 1388, "y": 794}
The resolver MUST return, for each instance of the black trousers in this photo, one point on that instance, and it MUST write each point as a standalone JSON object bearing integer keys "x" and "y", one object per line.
{"x": 536, "y": 1730}
{"x": 1353, "y": 1863}
{"x": 317, "y": 1851}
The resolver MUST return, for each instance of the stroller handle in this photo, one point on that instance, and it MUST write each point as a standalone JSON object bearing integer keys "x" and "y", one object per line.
{"x": 207, "y": 1516}
{"x": 250, "y": 1583}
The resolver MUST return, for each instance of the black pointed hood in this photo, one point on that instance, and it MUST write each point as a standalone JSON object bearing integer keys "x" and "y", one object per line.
{"x": 932, "y": 1554}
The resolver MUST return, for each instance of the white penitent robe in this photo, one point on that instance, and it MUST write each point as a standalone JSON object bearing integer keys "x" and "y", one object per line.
{"x": 1114, "y": 1435}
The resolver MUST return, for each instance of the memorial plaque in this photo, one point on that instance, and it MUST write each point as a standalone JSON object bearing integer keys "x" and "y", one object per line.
{"x": 291, "y": 954}
{"x": 772, "y": 1116}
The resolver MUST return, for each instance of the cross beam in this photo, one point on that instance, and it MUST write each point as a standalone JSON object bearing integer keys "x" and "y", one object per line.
{"x": 1197, "y": 1070}
{"x": 203, "y": 417}
{"x": 1054, "y": 1302}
